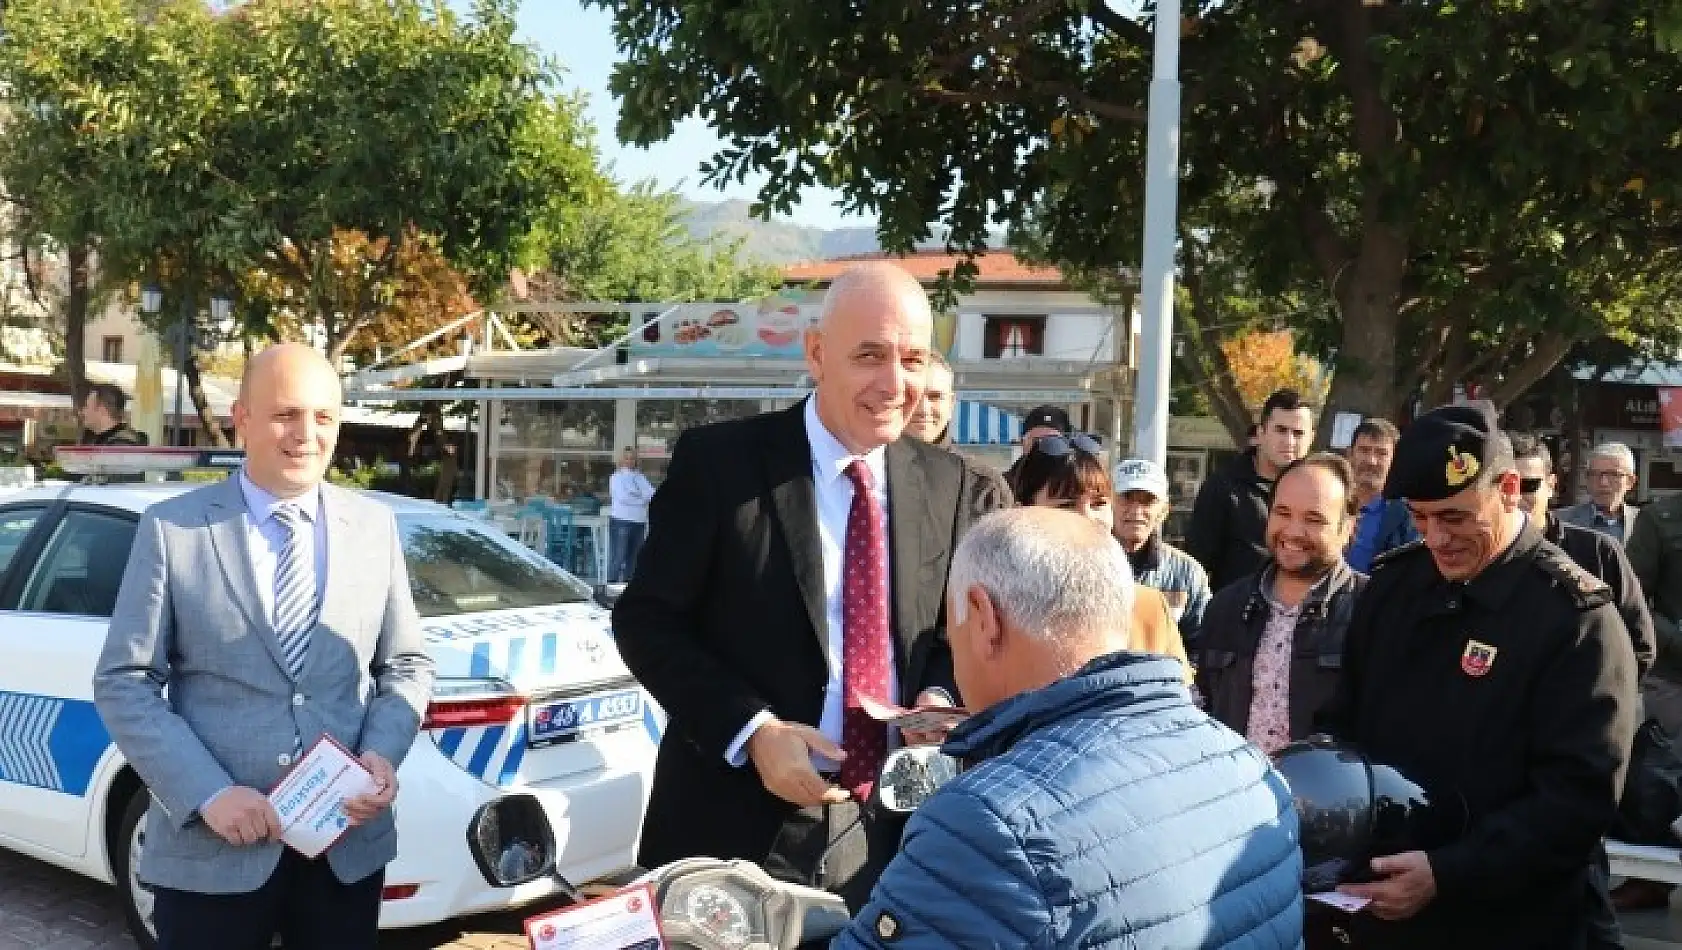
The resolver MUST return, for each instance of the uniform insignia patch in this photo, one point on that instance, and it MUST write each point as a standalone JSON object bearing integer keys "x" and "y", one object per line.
{"x": 1478, "y": 658}
{"x": 887, "y": 927}
{"x": 1462, "y": 467}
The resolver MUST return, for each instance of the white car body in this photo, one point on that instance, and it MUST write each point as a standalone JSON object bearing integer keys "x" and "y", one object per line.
{"x": 63, "y": 784}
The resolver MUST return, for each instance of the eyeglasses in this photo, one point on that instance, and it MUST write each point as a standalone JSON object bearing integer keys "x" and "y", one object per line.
{"x": 1529, "y": 486}
{"x": 1609, "y": 476}
{"x": 1059, "y": 446}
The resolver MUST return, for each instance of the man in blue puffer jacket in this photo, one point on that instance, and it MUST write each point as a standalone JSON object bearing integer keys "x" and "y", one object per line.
{"x": 1099, "y": 807}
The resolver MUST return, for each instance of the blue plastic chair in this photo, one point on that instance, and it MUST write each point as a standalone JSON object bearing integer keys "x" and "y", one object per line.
{"x": 558, "y": 532}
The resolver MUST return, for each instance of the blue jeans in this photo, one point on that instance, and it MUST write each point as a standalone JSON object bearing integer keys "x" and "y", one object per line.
{"x": 624, "y": 542}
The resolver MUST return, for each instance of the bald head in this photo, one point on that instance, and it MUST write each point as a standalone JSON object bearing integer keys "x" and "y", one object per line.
{"x": 874, "y": 285}
{"x": 869, "y": 354}
{"x": 287, "y": 417}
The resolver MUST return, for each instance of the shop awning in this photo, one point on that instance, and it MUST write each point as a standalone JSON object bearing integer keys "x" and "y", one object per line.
{"x": 977, "y": 423}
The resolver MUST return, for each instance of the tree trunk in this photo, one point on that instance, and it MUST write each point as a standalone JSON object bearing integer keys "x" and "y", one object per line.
{"x": 195, "y": 388}
{"x": 76, "y": 306}
{"x": 1365, "y": 379}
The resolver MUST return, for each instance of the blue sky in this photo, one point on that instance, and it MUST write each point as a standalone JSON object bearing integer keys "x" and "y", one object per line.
{"x": 582, "y": 40}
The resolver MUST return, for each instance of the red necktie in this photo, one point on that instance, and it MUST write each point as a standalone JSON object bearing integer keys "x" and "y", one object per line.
{"x": 864, "y": 636}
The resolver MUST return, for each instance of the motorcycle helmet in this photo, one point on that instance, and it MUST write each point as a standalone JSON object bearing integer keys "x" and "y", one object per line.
{"x": 1351, "y": 810}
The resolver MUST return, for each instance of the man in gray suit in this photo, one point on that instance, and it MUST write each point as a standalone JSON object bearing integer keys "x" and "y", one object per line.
{"x": 274, "y": 610}
{"x": 1611, "y": 475}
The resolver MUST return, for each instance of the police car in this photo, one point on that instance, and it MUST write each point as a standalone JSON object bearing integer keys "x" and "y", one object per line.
{"x": 530, "y": 774}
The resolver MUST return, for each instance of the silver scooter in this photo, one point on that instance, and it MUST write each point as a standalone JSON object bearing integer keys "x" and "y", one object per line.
{"x": 708, "y": 904}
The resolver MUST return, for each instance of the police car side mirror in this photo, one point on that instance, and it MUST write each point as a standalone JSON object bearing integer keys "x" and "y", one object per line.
{"x": 911, "y": 776}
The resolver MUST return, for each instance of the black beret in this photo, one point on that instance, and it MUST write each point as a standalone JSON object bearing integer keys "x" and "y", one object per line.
{"x": 1442, "y": 453}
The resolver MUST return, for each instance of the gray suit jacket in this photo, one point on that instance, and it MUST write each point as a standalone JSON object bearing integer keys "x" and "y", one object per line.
{"x": 1583, "y": 517}
{"x": 188, "y": 620}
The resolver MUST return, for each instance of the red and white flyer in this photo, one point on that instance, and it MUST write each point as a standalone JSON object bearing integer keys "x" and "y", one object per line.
{"x": 627, "y": 920}
{"x": 921, "y": 719}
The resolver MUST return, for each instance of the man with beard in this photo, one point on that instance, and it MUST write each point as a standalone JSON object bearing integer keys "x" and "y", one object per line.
{"x": 1272, "y": 644}
{"x": 1141, "y": 505}
{"x": 1228, "y": 520}
{"x": 1383, "y": 523}
{"x": 1486, "y": 666}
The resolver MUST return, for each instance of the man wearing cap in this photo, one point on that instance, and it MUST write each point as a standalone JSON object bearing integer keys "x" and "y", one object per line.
{"x": 1038, "y": 423}
{"x": 1141, "y": 505}
{"x": 1487, "y": 666}
{"x": 1229, "y": 518}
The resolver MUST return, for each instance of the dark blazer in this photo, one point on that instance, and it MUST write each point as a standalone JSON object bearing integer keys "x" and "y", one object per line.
{"x": 725, "y": 616}
{"x": 1600, "y": 555}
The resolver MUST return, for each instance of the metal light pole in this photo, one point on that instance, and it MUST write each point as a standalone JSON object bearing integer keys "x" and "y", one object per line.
{"x": 1162, "y": 172}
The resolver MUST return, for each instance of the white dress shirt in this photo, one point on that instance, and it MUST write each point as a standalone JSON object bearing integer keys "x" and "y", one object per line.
{"x": 267, "y": 538}
{"x": 833, "y": 492}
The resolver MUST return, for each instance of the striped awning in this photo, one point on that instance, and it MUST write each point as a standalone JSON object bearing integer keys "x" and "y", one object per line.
{"x": 977, "y": 423}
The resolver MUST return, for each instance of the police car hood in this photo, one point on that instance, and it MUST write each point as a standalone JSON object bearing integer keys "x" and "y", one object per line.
{"x": 534, "y": 649}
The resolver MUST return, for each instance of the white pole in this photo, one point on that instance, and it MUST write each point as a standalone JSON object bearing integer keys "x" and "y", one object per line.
{"x": 1162, "y": 160}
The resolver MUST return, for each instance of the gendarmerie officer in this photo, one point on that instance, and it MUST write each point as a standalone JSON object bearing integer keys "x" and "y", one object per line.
{"x": 1484, "y": 664}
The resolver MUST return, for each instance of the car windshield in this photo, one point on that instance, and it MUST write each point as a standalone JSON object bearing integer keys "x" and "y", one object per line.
{"x": 459, "y": 566}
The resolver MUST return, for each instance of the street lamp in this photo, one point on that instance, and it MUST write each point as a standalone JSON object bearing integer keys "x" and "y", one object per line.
{"x": 151, "y": 300}
{"x": 220, "y": 307}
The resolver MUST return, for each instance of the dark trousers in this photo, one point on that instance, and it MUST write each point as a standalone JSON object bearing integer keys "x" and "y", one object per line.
{"x": 1604, "y": 933}
{"x": 302, "y": 902}
{"x": 840, "y": 848}
{"x": 624, "y": 543}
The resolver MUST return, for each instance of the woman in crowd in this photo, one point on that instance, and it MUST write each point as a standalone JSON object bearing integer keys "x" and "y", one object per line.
{"x": 1066, "y": 472}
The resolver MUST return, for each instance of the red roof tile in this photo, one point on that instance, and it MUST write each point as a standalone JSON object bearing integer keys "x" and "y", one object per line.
{"x": 997, "y": 267}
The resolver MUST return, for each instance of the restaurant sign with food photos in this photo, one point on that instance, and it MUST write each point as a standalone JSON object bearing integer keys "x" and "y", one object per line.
{"x": 772, "y": 327}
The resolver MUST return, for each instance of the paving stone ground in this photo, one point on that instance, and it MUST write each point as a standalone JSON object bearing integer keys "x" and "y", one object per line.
{"x": 44, "y": 908}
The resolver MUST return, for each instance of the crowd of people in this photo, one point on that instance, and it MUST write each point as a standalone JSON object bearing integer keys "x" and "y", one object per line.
{"x": 1415, "y": 598}
{"x": 1127, "y": 709}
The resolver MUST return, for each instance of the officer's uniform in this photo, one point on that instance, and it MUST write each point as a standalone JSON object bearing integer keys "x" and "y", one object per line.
{"x": 1514, "y": 691}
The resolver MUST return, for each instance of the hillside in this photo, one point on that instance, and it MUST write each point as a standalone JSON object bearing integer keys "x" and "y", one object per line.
{"x": 776, "y": 242}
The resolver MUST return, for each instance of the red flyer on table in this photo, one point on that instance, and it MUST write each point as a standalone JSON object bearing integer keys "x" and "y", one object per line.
{"x": 627, "y": 920}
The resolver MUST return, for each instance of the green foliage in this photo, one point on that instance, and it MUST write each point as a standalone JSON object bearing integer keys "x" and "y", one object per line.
{"x": 201, "y": 146}
{"x": 633, "y": 246}
{"x": 1468, "y": 187}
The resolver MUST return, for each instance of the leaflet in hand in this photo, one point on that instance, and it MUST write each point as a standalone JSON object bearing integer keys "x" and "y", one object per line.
{"x": 628, "y": 920}
{"x": 921, "y": 719}
{"x": 1348, "y": 903}
{"x": 310, "y": 800}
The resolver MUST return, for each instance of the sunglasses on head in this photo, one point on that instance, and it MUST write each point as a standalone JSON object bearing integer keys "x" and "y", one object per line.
{"x": 1058, "y": 446}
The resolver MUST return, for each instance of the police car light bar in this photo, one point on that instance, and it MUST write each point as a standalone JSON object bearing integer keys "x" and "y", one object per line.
{"x": 105, "y": 460}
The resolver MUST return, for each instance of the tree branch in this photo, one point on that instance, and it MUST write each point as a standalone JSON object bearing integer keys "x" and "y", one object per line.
{"x": 1126, "y": 28}
{"x": 1032, "y": 95}
{"x": 1545, "y": 354}
{"x": 1375, "y": 123}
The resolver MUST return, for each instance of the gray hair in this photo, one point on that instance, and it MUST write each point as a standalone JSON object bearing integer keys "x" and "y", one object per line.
{"x": 1042, "y": 580}
{"x": 1617, "y": 452}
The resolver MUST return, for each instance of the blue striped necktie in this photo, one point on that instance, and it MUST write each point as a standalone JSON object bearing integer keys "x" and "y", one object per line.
{"x": 294, "y": 590}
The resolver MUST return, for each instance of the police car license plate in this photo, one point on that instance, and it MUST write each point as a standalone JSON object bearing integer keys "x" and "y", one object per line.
{"x": 567, "y": 719}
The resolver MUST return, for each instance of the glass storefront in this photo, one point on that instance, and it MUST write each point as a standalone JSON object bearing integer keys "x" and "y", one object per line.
{"x": 661, "y": 421}
{"x": 561, "y": 450}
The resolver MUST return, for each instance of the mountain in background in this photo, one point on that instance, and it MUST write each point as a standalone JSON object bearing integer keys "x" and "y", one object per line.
{"x": 779, "y": 242}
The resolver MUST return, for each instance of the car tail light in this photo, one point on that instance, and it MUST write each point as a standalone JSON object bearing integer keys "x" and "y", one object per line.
{"x": 398, "y": 892}
{"x": 462, "y": 703}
